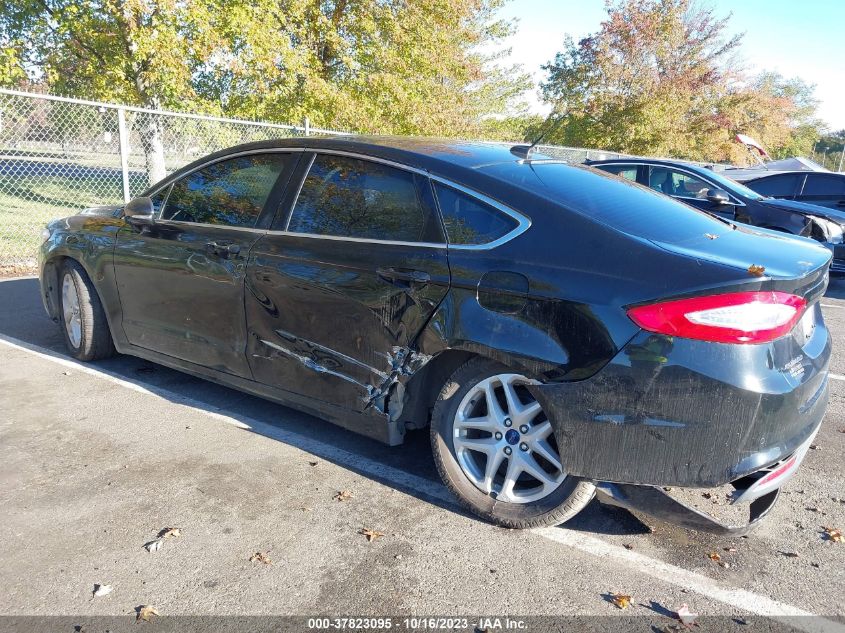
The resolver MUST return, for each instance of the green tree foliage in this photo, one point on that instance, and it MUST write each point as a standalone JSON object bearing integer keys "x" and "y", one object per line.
{"x": 386, "y": 66}
{"x": 661, "y": 77}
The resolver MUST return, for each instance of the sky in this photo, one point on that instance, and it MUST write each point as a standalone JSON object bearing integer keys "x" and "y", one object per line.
{"x": 796, "y": 38}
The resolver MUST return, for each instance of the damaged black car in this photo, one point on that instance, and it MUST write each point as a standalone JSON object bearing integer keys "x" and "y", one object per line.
{"x": 561, "y": 332}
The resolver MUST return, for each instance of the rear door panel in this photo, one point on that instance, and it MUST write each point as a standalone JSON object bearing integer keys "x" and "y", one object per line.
{"x": 335, "y": 317}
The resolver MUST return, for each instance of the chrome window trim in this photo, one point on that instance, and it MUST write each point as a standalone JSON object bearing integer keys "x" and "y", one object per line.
{"x": 734, "y": 201}
{"x": 250, "y": 229}
{"x": 523, "y": 222}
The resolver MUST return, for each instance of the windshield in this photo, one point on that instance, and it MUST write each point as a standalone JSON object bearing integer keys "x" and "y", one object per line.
{"x": 732, "y": 186}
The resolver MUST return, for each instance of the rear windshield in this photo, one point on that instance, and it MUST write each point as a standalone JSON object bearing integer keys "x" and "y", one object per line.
{"x": 621, "y": 204}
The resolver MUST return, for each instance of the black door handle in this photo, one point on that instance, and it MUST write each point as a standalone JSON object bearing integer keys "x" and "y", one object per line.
{"x": 223, "y": 250}
{"x": 395, "y": 276}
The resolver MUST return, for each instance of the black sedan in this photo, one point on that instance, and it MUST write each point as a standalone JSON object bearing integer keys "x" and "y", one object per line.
{"x": 824, "y": 189}
{"x": 711, "y": 192}
{"x": 556, "y": 328}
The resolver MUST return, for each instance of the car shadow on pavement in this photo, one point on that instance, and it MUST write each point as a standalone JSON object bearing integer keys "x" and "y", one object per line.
{"x": 410, "y": 466}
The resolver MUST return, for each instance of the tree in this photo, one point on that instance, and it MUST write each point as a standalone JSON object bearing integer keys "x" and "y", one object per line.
{"x": 395, "y": 66}
{"x": 661, "y": 77}
{"x": 384, "y": 66}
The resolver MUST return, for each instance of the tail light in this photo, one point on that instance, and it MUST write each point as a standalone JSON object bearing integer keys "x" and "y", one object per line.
{"x": 736, "y": 317}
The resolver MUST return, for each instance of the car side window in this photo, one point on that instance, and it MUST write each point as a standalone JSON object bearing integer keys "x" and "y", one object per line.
{"x": 824, "y": 186}
{"x": 628, "y": 172}
{"x": 776, "y": 186}
{"x": 158, "y": 199}
{"x": 355, "y": 198}
{"x": 468, "y": 220}
{"x": 229, "y": 192}
{"x": 677, "y": 183}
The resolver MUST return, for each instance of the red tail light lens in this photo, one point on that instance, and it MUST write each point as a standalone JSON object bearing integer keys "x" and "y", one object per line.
{"x": 736, "y": 317}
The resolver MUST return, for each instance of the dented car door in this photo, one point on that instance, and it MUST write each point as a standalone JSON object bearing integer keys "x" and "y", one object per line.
{"x": 338, "y": 290}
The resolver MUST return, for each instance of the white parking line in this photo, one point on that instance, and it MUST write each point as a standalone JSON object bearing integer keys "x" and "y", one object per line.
{"x": 746, "y": 601}
{"x": 837, "y": 377}
{"x": 830, "y": 305}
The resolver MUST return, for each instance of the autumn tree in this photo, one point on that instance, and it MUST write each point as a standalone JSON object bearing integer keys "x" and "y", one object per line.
{"x": 383, "y": 66}
{"x": 661, "y": 77}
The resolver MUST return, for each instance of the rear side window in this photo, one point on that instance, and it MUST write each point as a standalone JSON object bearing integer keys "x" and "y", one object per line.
{"x": 229, "y": 193}
{"x": 355, "y": 198}
{"x": 470, "y": 221}
{"x": 824, "y": 186}
{"x": 776, "y": 186}
{"x": 628, "y": 172}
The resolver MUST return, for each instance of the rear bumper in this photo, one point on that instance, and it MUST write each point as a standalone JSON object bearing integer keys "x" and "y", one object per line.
{"x": 678, "y": 412}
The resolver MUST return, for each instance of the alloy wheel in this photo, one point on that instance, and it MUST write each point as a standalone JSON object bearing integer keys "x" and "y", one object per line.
{"x": 504, "y": 443}
{"x": 70, "y": 311}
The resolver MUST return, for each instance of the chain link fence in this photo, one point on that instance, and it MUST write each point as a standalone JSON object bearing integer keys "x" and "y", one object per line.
{"x": 60, "y": 155}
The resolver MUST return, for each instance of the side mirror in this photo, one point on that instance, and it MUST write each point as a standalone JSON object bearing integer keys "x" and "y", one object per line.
{"x": 718, "y": 197}
{"x": 139, "y": 211}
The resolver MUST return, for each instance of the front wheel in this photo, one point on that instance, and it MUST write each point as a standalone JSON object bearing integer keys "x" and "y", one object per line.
{"x": 496, "y": 451}
{"x": 84, "y": 326}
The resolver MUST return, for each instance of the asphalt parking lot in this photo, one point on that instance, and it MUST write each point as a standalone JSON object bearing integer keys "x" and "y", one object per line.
{"x": 96, "y": 460}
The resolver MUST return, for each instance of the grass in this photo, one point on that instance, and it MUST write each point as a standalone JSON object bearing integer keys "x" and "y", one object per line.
{"x": 29, "y": 203}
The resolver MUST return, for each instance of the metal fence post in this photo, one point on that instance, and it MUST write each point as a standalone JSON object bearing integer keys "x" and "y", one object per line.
{"x": 123, "y": 139}
{"x": 307, "y": 127}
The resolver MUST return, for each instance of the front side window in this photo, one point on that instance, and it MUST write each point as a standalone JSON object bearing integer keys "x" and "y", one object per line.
{"x": 229, "y": 192}
{"x": 470, "y": 221}
{"x": 158, "y": 199}
{"x": 677, "y": 183}
{"x": 354, "y": 198}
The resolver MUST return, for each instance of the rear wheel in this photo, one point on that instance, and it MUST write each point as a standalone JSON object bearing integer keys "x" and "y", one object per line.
{"x": 495, "y": 449}
{"x": 84, "y": 326}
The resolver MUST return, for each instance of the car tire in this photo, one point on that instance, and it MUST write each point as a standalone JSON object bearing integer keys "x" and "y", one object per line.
{"x": 551, "y": 498}
{"x": 81, "y": 316}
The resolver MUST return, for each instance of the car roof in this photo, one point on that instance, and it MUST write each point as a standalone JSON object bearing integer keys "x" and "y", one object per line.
{"x": 420, "y": 152}
{"x": 797, "y": 172}
{"x": 660, "y": 162}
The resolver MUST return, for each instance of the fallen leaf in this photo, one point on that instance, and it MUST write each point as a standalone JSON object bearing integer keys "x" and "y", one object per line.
{"x": 725, "y": 565}
{"x": 620, "y": 600}
{"x": 628, "y": 546}
{"x": 707, "y": 495}
{"x": 833, "y": 534}
{"x": 756, "y": 270}
{"x": 145, "y": 612}
{"x": 815, "y": 447}
{"x": 714, "y": 556}
{"x": 313, "y": 463}
{"x": 371, "y": 535}
{"x": 730, "y": 549}
{"x": 343, "y": 495}
{"x": 685, "y": 615}
{"x": 258, "y": 557}
{"x": 170, "y": 533}
{"x": 154, "y": 546}
{"x": 790, "y": 554}
{"x": 102, "y": 590}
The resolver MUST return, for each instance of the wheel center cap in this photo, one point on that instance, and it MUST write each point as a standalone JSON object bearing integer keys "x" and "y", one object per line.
{"x": 512, "y": 436}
